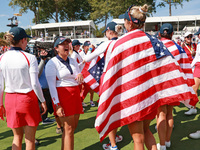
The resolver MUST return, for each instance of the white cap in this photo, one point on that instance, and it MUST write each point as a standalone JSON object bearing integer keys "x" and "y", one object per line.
{"x": 187, "y": 33}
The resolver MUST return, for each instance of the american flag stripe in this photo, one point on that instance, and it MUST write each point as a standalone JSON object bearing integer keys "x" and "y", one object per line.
{"x": 182, "y": 58}
{"x": 136, "y": 83}
{"x": 149, "y": 80}
{"x": 88, "y": 78}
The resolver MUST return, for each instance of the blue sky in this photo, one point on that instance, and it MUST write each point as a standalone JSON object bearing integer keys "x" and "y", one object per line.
{"x": 25, "y": 21}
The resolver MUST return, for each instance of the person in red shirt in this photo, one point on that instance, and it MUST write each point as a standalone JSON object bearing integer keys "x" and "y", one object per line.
{"x": 188, "y": 46}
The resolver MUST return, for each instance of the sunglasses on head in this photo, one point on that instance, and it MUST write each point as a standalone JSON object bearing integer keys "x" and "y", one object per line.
{"x": 134, "y": 20}
{"x": 189, "y": 36}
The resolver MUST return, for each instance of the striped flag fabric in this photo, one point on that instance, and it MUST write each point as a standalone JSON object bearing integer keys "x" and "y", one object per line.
{"x": 141, "y": 76}
{"x": 181, "y": 57}
{"x": 92, "y": 72}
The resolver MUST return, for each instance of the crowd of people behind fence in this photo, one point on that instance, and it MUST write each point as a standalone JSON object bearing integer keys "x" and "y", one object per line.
{"x": 140, "y": 77}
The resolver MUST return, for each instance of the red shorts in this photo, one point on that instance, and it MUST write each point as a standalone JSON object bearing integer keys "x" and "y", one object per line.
{"x": 197, "y": 70}
{"x": 22, "y": 109}
{"x": 70, "y": 100}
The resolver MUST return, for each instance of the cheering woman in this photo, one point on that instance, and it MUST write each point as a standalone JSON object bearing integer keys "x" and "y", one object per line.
{"x": 63, "y": 77}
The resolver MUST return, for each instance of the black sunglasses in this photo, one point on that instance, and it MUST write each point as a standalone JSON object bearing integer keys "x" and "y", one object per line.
{"x": 189, "y": 36}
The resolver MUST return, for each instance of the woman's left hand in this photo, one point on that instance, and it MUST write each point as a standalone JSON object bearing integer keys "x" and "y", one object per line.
{"x": 44, "y": 107}
{"x": 79, "y": 78}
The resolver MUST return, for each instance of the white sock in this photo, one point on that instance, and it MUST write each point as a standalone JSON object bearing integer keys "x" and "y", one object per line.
{"x": 168, "y": 144}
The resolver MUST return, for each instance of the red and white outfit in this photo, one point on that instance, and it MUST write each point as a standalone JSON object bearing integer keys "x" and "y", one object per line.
{"x": 182, "y": 58}
{"x": 196, "y": 62}
{"x": 189, "y": 49}
{"x": 19, "y": 71}
{"x": 64, "y": 89}
{"x": 76, "y": 56}
{"x": 138, "y": 79}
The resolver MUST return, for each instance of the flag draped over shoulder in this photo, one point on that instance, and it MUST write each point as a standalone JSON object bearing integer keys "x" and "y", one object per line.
{"x": 92, "y": 72}
{"x": 141, "y": 75}
{"x": 181, "y": 57}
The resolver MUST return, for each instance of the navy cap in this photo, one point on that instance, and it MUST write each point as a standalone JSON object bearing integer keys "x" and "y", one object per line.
{"x": 127, "y": 16}
{"x": 110, "y": 26}
{"x": 18, "y": 33}
{"x": 87, "y": 43}
{"x": 168, "y": 27}
{"x": 76, "y": 42}
{"x": 60, "y": 40}
{"x": 198, "y": 32}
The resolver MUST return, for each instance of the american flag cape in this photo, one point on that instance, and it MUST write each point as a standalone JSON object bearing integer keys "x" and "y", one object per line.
{"x": 181, "y": 57}
{"x": 140, "y": 77}
{"x": 92, "y": 72}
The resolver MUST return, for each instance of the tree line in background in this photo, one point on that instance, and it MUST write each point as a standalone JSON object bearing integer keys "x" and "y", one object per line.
{"x": 73, "y": 10}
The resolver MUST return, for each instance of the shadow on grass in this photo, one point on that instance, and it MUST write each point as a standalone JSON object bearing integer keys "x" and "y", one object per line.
{"x": 127, "y": 139}
{"x": 6, "y": 134}
{"x": 85, "y": 123}
{"x": 48, "y": 141}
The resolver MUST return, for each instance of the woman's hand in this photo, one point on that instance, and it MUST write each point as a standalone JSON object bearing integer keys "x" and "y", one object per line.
{"x": 79, "y": 78}
{"x": 2, "y": 112}
{"x": 44, "y": 108}
{"x": 193, "y": 53}
{"x": 59, "y": 111}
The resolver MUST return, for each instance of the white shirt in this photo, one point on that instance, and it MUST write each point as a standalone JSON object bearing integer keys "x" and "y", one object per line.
{"x": 100, "y": 50}
{"x": 58, "y": 75}
{"x": 197, "y": 56}
{"x": 78, "y": 59}
{"x": 19, "y": 77}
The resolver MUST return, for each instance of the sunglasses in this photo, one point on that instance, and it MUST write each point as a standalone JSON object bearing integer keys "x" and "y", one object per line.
{"x": 189, "y": 36}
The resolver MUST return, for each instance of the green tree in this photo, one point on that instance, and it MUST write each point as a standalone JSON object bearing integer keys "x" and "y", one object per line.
{"x": 171, "y": 3}
{"x": 75, "y": 10}
{"x": 103, "y": 9}
{"x": 2, "y": 34}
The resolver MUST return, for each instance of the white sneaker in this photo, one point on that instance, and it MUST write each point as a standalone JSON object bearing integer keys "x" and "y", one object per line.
{"x": 118, "y": 138}
{"x": 92, "y": 104}
{"x": 195, "y": 135}
{"x": 109, "y": 147}
{"x": 84, "y": 104}
{"x": 192, "y": 111}
{"x": 168, "y": 144}
{"x": 161, "y": 147}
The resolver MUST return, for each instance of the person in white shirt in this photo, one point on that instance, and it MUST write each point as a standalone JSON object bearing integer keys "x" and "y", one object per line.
{"x": 63, "y": 77}
{"x": 196, "y": 65}
{"x": 19, "y": 73}
{"x": 75, "y": 54}
{"x": 85, "y": 89}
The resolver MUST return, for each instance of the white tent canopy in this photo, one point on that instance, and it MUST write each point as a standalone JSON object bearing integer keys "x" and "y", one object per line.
{"x": 65, "y": 27}
{"x": 178, "y": 22}
{"x": 64, "y": 24}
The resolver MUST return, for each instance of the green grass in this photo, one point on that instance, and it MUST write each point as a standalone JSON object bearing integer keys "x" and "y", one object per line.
{"x": 87, "y": 138}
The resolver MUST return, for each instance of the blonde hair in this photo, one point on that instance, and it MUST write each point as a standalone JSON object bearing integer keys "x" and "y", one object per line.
{"x": 139, "y": 13}
{"x": 9, "y": 38}
{"x": 118, "y": 30}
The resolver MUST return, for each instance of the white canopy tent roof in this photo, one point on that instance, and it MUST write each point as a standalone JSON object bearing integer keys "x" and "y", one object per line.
{"x": 65, "y": 26}
{"x": 179, "y": 22}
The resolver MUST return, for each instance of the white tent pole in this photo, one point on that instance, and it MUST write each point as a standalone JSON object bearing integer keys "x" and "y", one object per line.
{"x": 74, "y": 33}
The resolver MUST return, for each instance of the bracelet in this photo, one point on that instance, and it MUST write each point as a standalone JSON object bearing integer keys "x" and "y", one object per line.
{"x": 57, "y": 104}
